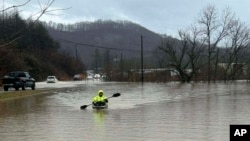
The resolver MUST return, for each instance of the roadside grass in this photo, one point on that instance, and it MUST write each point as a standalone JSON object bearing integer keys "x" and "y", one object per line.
{"x": 19, "y": 94}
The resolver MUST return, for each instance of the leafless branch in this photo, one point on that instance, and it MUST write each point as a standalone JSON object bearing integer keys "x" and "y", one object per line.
{"x": 44, "y": 10}
{"x": 9, "y": 42}
{"x": 15, "y": 6}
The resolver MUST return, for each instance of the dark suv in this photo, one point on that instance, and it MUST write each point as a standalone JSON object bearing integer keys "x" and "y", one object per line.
{"x": 18, "y": 79}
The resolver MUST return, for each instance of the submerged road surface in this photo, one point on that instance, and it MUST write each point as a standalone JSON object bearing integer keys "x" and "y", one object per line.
{"x": 149, "y": 112}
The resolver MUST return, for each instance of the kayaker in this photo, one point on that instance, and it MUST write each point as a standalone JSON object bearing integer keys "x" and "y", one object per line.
{"x": 100, "y": 99}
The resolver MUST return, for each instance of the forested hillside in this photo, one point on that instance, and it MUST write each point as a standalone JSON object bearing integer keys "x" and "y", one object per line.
{"x": 27, "y": 46}
{"x": 88, "y": 40}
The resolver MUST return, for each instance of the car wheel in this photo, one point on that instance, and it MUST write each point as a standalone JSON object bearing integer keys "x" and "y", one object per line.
{"x": 33, "y": 86}
{"x": 16, "y": 88}
{"x": 23, "y": 87}
{"x": 5, "y": 88}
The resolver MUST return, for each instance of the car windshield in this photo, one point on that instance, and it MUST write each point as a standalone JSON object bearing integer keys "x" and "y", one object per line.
{"x": 17, "y": 74}
{"x": 51, "y": 77}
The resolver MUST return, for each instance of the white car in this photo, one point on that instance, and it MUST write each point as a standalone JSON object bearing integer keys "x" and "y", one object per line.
{"x": 51, "y": 79}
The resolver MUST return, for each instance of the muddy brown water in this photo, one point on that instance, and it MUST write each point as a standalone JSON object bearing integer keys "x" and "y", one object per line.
{"x": 149, "y": 112}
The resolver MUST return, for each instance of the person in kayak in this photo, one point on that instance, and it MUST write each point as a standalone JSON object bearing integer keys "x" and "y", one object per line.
{"x": 100, "y": 99}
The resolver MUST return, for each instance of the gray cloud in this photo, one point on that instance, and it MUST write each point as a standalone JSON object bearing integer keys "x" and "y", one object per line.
{"x": 162, "y": 16}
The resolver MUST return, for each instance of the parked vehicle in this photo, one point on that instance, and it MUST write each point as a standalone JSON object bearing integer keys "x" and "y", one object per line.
{"x": 51, "y": 79}
{"x": 18, "y": 79}
{"x": 77, "y": 77}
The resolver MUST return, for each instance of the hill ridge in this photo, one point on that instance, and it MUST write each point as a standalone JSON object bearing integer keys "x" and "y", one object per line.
{"x": 123, "y": 35}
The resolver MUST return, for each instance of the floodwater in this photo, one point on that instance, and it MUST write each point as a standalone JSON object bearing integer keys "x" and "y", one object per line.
{"x": 149, "y": 112}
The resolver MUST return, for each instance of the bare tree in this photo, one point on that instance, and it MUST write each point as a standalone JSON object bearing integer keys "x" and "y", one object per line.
{"x": 214, "y": 28}
{"x": 185, "y": 55}
{"x": 204, "y": 40}
{"x": 237, "y": 43}
{"x": 176, "y": 51}
{"x": 195, "y": 50}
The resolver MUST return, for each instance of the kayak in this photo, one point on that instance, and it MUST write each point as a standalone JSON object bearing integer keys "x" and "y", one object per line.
{"x": 100, "y": 106}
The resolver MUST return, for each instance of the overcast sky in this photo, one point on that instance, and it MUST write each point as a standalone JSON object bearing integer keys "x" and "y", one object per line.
{"x": 160, "y": 16}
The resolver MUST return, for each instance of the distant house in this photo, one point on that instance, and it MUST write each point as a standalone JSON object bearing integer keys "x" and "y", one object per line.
{"x": 79, "y": 77}
{"x": 157, "y": 74}
{"x": 239, "y": 67}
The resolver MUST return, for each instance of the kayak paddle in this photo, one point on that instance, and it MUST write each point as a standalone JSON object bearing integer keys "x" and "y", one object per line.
{"x": 85, "y": 106}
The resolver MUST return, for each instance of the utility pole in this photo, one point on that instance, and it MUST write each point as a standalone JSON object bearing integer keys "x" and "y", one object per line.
{"x": 76, "y": 52}
{"x": 142, "y": 75}
{"x": 121, "y": 63}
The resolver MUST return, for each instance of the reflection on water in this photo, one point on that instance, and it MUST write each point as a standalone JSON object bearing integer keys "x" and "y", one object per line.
{"x": 99, "y": 124}
{"x": 149, "y": 112}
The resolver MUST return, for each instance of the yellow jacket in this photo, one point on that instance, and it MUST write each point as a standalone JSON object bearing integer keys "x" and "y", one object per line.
{"x": 100, "y": 98}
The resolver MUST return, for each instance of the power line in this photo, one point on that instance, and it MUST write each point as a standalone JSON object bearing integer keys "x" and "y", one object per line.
{"x": 101, "y": 47}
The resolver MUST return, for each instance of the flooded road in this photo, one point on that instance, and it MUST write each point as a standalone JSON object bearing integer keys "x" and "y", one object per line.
{"x": 149, "y": 112}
